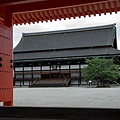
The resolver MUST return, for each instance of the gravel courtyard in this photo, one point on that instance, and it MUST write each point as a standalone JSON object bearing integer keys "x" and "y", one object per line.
{"x": 67, "y": 97}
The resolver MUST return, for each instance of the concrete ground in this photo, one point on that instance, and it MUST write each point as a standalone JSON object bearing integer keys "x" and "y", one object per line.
{"x": 68, "y": 97}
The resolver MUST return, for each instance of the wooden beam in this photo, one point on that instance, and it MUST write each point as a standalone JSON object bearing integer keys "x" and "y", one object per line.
{"x": 48, "y": 4}
{"x": 16, "y": 2}
{"x": 2, "y": 13}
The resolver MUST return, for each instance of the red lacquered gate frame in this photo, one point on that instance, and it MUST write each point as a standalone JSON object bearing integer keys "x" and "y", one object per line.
{"x": 27, "y": 11}
{"x": 6, "y": 72}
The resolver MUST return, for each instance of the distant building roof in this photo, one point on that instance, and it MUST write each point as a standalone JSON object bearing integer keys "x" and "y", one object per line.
{"x": 93, "y": 41}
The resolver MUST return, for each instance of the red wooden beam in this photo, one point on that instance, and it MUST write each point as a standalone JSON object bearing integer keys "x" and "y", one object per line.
{"x": 49, "y": 9}
{"x": 16, "y": 2}
{"x": 49, "y": 4}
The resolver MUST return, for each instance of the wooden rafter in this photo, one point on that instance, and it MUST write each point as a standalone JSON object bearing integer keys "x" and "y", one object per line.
{"x": 67, "y": 13}
{"x": 43, "y": 16}
{"x": 104, "y": 8}
{"x": 109, "y": 5}
{"x": 83, "y": 11}
{"x": 62, "y": 14}
{"x": 98, "y": 9}
{"x": 53, "y": 14}
{"x": 46, "y": 13}
{"x": 93, "y": 9}
{"x": 115, "y": 6}
{"x": 88, "y": 10}
{"x": 78, "y": 12}
{"x": 38, "y": 16}
{"x": 46, "y": 10}
{"x": 57, "y": 14}
{"x": 72, "y": 12}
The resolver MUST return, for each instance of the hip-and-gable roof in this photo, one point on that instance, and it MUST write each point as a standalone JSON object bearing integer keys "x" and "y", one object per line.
{"x": 68, "y": 43}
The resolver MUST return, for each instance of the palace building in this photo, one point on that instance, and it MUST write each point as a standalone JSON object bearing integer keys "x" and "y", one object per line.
{"x": 56, "y": 58}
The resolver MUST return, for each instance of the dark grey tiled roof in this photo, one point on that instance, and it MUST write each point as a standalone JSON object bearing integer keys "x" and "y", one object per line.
{"x": 67, "y": 53}
{"x": 96, "y": 41}
{"x": 89, "y": 37}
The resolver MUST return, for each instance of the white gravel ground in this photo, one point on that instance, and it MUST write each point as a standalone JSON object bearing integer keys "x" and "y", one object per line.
{"x": 67, "y": 97}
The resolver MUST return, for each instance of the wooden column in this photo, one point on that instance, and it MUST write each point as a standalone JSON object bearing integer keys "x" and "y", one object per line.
{"x": 14, "y": 76}
{"x": 20, "y": 82}
{"x": 32, "y": 73}
{"x": 6, "y": 53}
{"x": 79, "y": 80}
{"x": 23, "y": 75}
{"x": 41, "y": 70}
{"x": 60, "y": 70}
{"x": 69, "y": 70}
{"x": 50, "y": 71}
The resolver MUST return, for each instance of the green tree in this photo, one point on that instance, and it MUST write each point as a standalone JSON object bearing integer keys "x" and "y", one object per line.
{"x": 100, "y": 71}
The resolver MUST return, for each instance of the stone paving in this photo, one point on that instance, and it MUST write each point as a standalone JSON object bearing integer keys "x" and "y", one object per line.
{"x": 67, "y": 97}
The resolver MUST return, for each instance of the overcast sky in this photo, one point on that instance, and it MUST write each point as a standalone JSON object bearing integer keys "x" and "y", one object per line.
{"x": 68, "y": 24}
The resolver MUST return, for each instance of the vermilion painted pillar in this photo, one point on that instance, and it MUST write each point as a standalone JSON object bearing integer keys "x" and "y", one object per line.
{"x": 6, "y": 55}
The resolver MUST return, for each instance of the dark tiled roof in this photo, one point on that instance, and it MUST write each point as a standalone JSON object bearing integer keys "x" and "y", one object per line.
{"x": 67, "y": 53}
{"x": 95, "y": 41}
{"x": 87, "y": 37}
